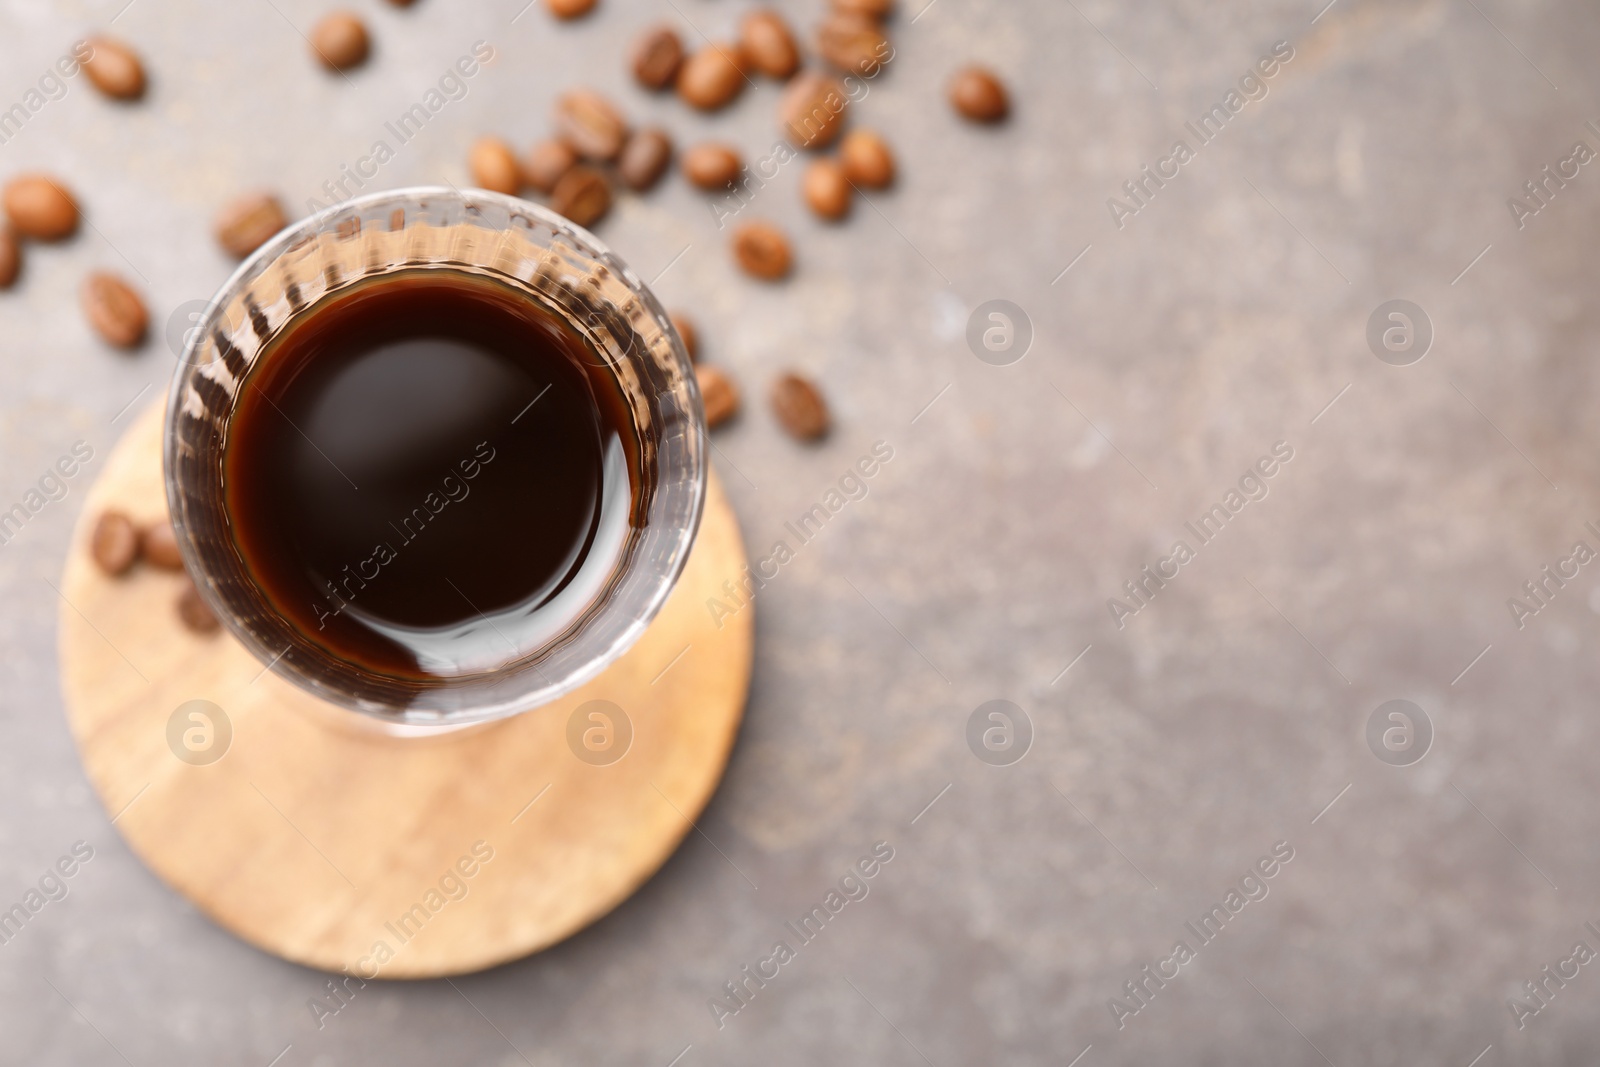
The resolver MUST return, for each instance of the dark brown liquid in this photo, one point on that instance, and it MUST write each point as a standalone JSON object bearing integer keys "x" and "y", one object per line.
{"x": 430, "y": 475}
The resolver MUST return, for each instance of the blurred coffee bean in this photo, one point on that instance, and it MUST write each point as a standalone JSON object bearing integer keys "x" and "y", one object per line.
{"x": 827, "y": 190}
{"x": 644, "y": 159}
{"x": 591, "y": 124}
{"x": 340, "y": 41}
{"x": 582, "y": 195}
{"x": 114, "y": 310}
{"x": 866, "y": 159}
{"x": 762, "y": 250}
{"x": 711, "y": 165}
{"x": 547, "y": 163}
{"x": 978, "y": 95}
{"x": 657, "y": 55}
{"x": 494, "y": 166}
{"x": 812, "y": 109}
{"x": 768, "y": 44}
{"x": 115, "y": 69}
{"x": 718, "y": 394}
{"x": 40, "y": 207}
{"x": 712, "y": 77}
{"x": 247, "y": 223}
{"x": 799, "y": 407}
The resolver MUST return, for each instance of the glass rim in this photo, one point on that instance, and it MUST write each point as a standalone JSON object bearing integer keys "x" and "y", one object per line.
{"x": 324, "y": 221}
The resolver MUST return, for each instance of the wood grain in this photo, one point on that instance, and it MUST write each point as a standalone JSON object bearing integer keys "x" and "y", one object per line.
{"x": 315, "y": 835}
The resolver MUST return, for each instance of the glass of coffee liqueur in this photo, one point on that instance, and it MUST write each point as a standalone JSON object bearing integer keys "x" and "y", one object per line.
{"x": 434, "y": 456}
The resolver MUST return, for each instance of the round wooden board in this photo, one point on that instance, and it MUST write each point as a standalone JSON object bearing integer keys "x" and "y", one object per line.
{"x": 327, "y": 842}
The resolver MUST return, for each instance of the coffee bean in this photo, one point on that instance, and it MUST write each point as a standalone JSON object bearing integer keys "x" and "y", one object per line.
{"x": 644, "y": 159}
{"x": 872, "y": 9}
{"x": 114, "y": 543}
{"x": 159, "y": 546}
{"x": 978, "y": 95}
{"x": 401, "y": 3}
{"x": 769, "y": 44}
{"x": 547, "y": 163}
{"x": 249, "y": 222}
{"x": 582, "y": 195}
{"x": 114, "y": 68}
{"x": 657, "y": 55}
{"x": 826, "y": 189}
{"x": 340, "y": 41}
{"x": 711, "y": 165}
{"x": 762, "y": 250}
{"x": 591, "y": 124}
{"x": 569, "y": 9}
{"x": 799, "y": 407}
{"x": 40, "y": 207}
{"x": 10, "y": 257}
{"x": 812, "y": 110}
{"x": 685, "y": 329}
{"x": 718, "y": 394}
{"x": 114, "y": 310}
{"x": 494, "y": 166}
{"x": 853, "y": 43}
{"x": 712, "y": 77}
{"x": 867, "y": 160}
{"x": 194, "y": 612}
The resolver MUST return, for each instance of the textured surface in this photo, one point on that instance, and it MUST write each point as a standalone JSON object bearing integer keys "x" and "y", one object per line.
{"x": 448, "y": 821}
{"x": 1221, "y": 319}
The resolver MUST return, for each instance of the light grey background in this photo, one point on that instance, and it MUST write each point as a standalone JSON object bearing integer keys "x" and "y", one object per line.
{"x": 1224, "y": 718}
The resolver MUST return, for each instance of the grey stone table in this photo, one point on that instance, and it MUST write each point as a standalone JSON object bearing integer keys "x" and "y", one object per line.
{"x": 1176, "y": 341}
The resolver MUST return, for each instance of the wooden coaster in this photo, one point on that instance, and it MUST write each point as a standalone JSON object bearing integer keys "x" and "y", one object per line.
{"x": 327, "y": 842}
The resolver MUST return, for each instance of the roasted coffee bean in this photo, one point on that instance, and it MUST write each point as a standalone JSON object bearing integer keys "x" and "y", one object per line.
{"x": 114, "y": 544}
{"x": 799, "y": 407}
{"x": 591, "y": 124}
{"x": 159, "y": 546}
{"x": 712, "y": 77}
{"x": 494, "y": 166}
{"x": 10, "y": 257}
{"x": 853, "y": 43}
{"x": 812, "y": 110}
{"x": 686, "y": 332}
{"x": 768, "y": 44}
{"x": 548, "y": 163}
{"x": 582, "y": 195}
{"x": 826, "y": 189}
{"x": 718, "y": 394}
{"x": 657, "y": 55}
{"x": 569, "y": 9}
{"x": 114, "y": 68}
{"x": 644, "y": 158}
{"x": 40, "y": 207}
{"x": 401, "y": 3}
{"x": 114, "y": 310}
{"x": 866, "y": 159}
{"x": 340, "y": 41}
{"x": 712, "y": 166}
{"x": 978, "y": 95}
{"x": 872, "y": 9}
{"x": 762, "y": 250}
{"x": 249, "y": 222}
{"x": 194, "y": 612}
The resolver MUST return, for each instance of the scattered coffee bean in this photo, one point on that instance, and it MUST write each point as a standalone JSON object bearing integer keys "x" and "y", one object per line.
{"x": 194, "y": 612}
{"x": 799, "y": 407}
{"x": 114, "y": 544}
{"x": 718, "y": 394}
{"x": 853, "y": 43}
{"x": 40, "y": 207}
{"x": 644, "y": 159}
{"x": 494, "y": 166}
{"x": 685, "y": 328}
{"x": 548, "y": 163}
{"x": 873, "y": 9}
{"x": 114, "y": 310}
{"x": 712, "y": 77}
{"x": 762, "y": 250}
{"x": 249, "y": 222}
{"x": 569, "y": 9}
{"x": 712, "y": 166}
{"x": 340, "y": 41}
{"x": 769, "y": 44}
{"x": 867, "y": 160}
{"x": 401, "y": 3}
{"x": 591, "y": 124}
{"x": 10, "y": 257}
{"x": 978, "y": 95}
{"x": 812, "y": 110}
{"x": 657, "y": 55}
{"x": 826, "y": 189}
{"x": 159, "y": 546}
{"x": 114, "y": 68}
{"x": 582, "y": 195}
